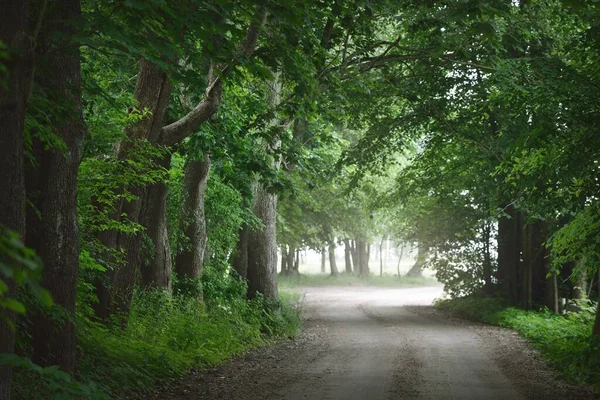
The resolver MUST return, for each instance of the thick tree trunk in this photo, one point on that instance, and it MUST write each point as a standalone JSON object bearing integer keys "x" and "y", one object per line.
{"x": 347, "y": 256}
{"x": 13, "y": 101}
{"x": 417, "y": 268}
{"x": 509, "y": 254}
{"x": 297, "y": 261}
{"x": 152, "y": 92}
{"x": 54, "y": 338}
{"x": 363, "y": 257}
{"x": 291, "y": 256}
{"x": 332, "y": 263}
{"x": 262, "y": 246}
{"x": 190, "y": 258}
{"x": 525, "y": 269}
{"x": 157, "y": 266}
{"x": 323, "y": 259}
{"x": 240, "y": 257}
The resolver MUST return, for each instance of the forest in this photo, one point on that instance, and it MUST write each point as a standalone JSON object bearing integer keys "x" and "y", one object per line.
{"x": 164, "y": 163}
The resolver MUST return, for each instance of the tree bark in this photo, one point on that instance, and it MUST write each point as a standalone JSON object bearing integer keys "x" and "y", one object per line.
{"x": 362, "y": 256}
{"x": 509, "y": 254}
{"x": 580, "y": 281}
{"x": 332, "y": 263}
{"x": 399, "y": 259}
{"x": 381, "y": 256}
{"x": 156, "y": 269}
{"x": 417, "y": 268}
{"x": 487, "y": 259}
{"x": 14, "y": 96}
{"x": 539, "y": 261}
{"x": 54, "y": 339}
{"x": 526, "y": 269}
{"x": 262, "y": 247}
{"x": 240, "y": 258}
{"x": 323, "y": 259}
{"x": 284, "y": 267}
{"x": 355, "y": 260}
{"x": 291, "y": 256}
{"x": 190, "y": 258}
{"x": 596, "y": 327}
{"x": 347, "y": 256}
{"x": 152, "y": 92}
{"x": 552, "y": 293}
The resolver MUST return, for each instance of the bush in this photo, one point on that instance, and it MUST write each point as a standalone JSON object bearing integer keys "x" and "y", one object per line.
{"x": 166, "y": 336}
{"x": 564, "y": 340}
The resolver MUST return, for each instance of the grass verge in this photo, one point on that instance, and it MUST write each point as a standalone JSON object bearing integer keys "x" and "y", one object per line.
{"x": 166, "y": 336}
{"x": 564, "y": 340}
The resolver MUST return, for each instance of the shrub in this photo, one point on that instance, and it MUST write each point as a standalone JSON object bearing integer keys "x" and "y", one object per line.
{"x": 564, "y": 340}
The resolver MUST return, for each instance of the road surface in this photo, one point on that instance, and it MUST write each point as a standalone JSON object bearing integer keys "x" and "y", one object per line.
{"x": 373, "y": 343}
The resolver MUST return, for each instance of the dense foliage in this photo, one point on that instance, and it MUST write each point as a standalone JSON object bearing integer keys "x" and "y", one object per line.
{"x": 164, "y": 160}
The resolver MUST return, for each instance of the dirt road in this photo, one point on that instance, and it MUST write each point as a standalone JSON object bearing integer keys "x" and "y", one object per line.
{"x": 374, "y": 343}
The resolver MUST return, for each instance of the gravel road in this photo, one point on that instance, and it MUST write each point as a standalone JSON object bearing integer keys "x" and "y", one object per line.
{"x": 379, "y": 343}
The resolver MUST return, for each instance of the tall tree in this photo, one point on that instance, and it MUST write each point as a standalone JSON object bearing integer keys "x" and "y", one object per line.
{"x": 18, "y": 42}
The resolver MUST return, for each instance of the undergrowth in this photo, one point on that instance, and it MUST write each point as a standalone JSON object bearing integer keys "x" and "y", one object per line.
{"x": 292, "y": 281}
{"x": 165, "y": 337}
{"x": 564, "y": 340}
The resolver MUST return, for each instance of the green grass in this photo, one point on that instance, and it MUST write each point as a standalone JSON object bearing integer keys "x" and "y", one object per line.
{"x": 352, "y": 280}
{"x": 166, "y": 336}
{"x": 565, "y": 341}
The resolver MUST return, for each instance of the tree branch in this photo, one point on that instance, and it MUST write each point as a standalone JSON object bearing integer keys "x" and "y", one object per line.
{"x": 179, "y": 130}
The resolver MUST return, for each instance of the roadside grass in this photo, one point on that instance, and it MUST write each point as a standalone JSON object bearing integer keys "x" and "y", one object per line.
{"x": 565, "y": 341}
{"x": 301, "y": 280}
{"x": 166, "y": 337}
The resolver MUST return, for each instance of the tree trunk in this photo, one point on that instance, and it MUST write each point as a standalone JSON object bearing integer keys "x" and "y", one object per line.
{"x": 526, "y": 269}
{"x": 190, "y": 258}
{"x": 368, "y": 257}
{"x": 487, "y": 260}
{"x": 291, "y": 256}
{"x": 400, "y": 259}
{"x": 596, "y": 328}
{"x": 580, "y": 280}
{"x": 539, "y": 262}
{"x": 284, "y": 268}
{"x": 54, "y": 338}
{"x": 354, "y": 254}
{"x": 552, "y": 293}
{"x": 347, "y": 256}
{"x": 323, "y": 259}
{"x": 509, "y": 254}
{"x": 297, "y": 261}
{"x": 13, "y": 102}
{"x": 152, "y": 92}
{"x": 240, "y": 257}
{"x": 417, "y": 268}
{"x": 363, "y": 258}
{"x": 381, "y": 256}
{"x": 157, "y": 267}
{"x": 332, "y": 263}
{"x": 262, "y": 246}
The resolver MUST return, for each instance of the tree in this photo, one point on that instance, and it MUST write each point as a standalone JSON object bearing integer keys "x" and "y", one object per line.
{"x": 16, "y": 79}
{"x": 58, "y": 240}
